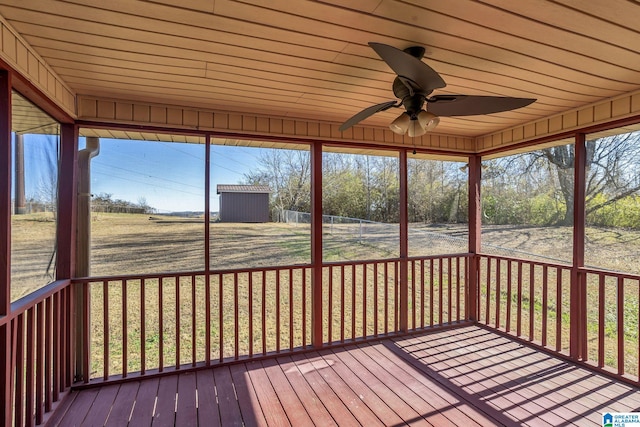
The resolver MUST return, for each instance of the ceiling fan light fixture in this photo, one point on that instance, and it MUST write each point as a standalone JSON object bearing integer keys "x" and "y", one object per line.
{"x": 416, "y": 129}
{"x": 401, "y": 124}
{"x": 428, "y": 120}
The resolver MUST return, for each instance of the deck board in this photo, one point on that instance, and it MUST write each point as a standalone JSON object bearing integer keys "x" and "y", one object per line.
{"x": 208, "y": 412}
{"x": 143, "y": 408}
{"x": 165, "y": 414}
{"x": 123, "y": 404}
{"x": 465, "y": 376}
{"x": 248, "y": 402}
{"x": 230, "y": 414}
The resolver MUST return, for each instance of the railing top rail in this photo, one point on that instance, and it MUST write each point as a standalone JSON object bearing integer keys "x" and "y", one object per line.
{"x": 454, "y": 255}
{"x": 28, "y": 301}
{"x": 527, "y": 261}
{"x": 612, "y": 273}
{"x": 187, "y": 273}
{"x": 359, "y": 262}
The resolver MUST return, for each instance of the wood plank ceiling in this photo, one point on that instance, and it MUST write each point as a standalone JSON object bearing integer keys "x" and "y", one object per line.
{"x": 310, "y": 59}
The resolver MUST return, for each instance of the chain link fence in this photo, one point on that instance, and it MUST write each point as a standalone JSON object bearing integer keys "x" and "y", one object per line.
{"x": 422, "y": 242}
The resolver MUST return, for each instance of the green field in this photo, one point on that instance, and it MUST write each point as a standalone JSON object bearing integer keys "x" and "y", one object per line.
{"x": 135, "y": 244}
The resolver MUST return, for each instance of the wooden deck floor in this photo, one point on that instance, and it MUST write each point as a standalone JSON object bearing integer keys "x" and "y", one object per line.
{"x": 467, "y": 376}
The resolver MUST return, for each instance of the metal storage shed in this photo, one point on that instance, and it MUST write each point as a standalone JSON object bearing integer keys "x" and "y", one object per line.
{"x": 244, "y": 203}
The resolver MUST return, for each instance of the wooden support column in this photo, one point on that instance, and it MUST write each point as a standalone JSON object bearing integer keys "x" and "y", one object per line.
{"x": 475, "y": 230}
{"x": 5, "y": 247}
{"x": 578, "y": 304}
{"x": 316, "y": 245}
{"x": 404, "y": 245}
{"x": 83, "y": 257}
{"x": 67, "y": 202}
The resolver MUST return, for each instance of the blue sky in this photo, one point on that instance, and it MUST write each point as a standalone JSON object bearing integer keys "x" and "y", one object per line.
{"x": 169, "y": 176}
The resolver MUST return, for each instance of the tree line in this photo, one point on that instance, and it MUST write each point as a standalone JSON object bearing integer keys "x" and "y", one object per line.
{"x": 533, "y": 188}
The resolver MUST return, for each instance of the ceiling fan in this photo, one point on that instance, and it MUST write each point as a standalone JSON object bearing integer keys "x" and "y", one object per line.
{"x": 413, "y": 86}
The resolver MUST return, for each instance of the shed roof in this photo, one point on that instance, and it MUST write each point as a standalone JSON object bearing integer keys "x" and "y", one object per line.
{"x": 232, "y": 188}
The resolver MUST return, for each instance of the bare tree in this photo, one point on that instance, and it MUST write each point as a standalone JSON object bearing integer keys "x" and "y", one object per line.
{"x": 288, "y": 173}
{"x": 612, "y": 165}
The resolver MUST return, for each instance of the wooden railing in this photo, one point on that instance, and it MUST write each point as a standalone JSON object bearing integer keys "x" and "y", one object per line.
{"x": 151, "y": 323}
{"x": 612, "y": 329}
{"x": 39, "y": 355}
{"x": 438, "y": 290}
{"x": 148, "y": 324}
{"x": 141, "y": 325}
{"x": 532, "y": 301}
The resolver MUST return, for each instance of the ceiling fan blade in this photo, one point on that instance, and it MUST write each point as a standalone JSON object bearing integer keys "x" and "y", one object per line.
{"x": 471, "y": 105}
{"x": 366, "y": 113}
{"x": 409, "y": 67}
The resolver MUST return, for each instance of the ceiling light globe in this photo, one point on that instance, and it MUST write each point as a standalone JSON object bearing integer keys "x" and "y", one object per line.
{"x": 401, "y": 124}
{"x": 415, "y": 129}
{"x": 428, "y": 120}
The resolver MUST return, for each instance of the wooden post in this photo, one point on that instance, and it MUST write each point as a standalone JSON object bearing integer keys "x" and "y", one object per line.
{"x": 578, "y": 309}
{"x": 404, "y": 245}
{"x": 67, "y": 198}
{"x": 5, "y": 247}
{"x": 316, "y": 245}
{"x": 475, "y": 230}
{"x": 83, "y": 256}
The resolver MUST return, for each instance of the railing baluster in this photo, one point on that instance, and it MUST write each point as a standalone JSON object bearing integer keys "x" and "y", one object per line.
{"x": 264, "y": 312}
{"x": 544, "y": 305}
{"x": 458, "y": 289}
{"x": 330, "y": 307}
{"x": 125, "y": 330}
{"x": 193, "y": 321}
{"x": 601, "y": 319}
{"x": 65, "y": 345}
{"x": 422, "y": 293}
{"x": 143, "y": 328}
{"x": 519, "y": 316}
{"x": 532, "y": 300}
{"x": 396, "y": 296}
{"x": 304, "y": 307}
{"x": 277, "y": 311}
{"x": 413, "y": 295}
{"x": 236, "y": 314}
{"x": 342, "y": 304}
{"x": 56, "y": 347}
{"x": 177, "y": 343}
{"x": 558, "y": 309}
{"x": 19, "y": 399}
{"x": 620, "y": 308}
{"x": 498, "y": 295}
{"x": 431, "y": 292}
{"x": 250, "y": 302}
{"x": 440, "y": 292}
{"x": 386, "y": 297}
{"x": 160, "y": 325}
{"x": 39, "y": 361}
{"x": 291, "y": 344}
{"x": 105, "y": 329}
{"x": 449, "y": 289}
{"x": 48, "y": 353}
{"x": 364, "y": 300}
{"x": 353, "y": 301}
{"x": 30, "y": 365}
{"x": 221, "y": 315}
{"x": 375, "y": 299}
{"x": 509, "y": 290}
{"x": 85, "y": 339}
{"x": 487, "y": 315}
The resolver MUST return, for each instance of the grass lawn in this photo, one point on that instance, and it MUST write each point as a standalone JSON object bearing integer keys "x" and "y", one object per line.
{"x": 137, "y": 244}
